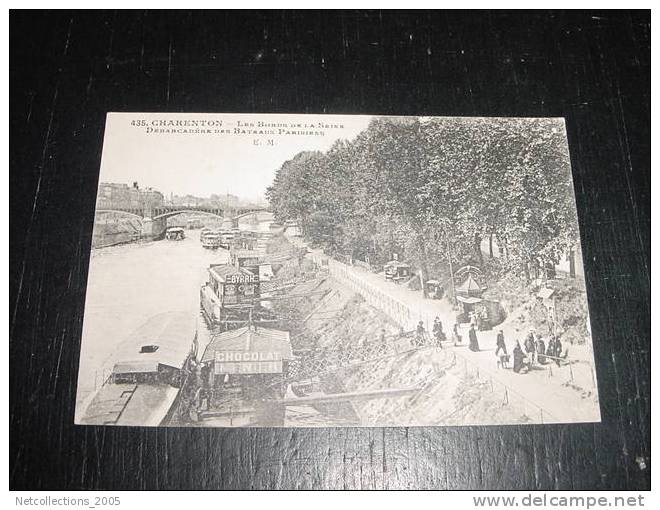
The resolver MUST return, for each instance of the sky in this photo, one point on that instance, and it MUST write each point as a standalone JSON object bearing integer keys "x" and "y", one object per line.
{"x": 216, "y": 163}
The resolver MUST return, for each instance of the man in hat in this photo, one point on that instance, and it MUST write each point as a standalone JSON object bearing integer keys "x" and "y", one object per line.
{"x": 499, "y": 343}
{"x": 530, "y": 346}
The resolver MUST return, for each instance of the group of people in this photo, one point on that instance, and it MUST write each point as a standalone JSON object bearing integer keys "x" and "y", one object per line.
{"x": 533, "y": 350}
{"x": 438, "y": 335}
{"x": 421, "y": 338}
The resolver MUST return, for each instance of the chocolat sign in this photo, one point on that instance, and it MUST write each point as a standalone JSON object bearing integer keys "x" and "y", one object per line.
{"x": 245, "y": 362}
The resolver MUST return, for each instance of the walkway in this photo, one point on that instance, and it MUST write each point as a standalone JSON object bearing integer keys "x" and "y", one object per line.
{"x": 554, "y": 394}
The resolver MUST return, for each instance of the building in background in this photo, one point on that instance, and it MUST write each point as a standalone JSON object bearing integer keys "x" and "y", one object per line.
{"x": 113, "y": 195}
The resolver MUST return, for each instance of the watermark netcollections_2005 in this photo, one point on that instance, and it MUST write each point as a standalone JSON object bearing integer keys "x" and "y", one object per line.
{"x": 66, "y": 501}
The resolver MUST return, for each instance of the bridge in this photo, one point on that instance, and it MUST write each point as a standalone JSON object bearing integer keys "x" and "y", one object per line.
{"x": 154, "y": 219}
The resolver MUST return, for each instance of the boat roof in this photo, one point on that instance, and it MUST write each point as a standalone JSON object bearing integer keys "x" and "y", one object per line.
{"x": 135, "y": 367}
{"x": 175, "y": 229}
{"x": 222, "y": 271}
{"x": 247, "y": 253}
{"x": 250, "y": 339}
{"x": 130, "y": 404}
{"x": 172, "y": 332}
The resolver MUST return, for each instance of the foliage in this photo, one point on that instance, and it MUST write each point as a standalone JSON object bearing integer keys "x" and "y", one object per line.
{"x": 429, "y": 188}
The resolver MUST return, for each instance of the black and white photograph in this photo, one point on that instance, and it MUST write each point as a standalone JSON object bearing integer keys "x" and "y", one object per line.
{"x": 266, "y": 249}
{"x": 326, "y": 270}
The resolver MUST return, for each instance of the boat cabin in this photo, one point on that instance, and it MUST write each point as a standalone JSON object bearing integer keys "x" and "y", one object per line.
{"x": 245, "y": 240}
{"x": 157, "y": 352}
{"x": 228, "y": 287}
{"x": 214, "y": 239}
{"x": 246, "y": 258}
{"x": 150, "y": 367}
{"x": 254, "y": 261}
{"x": 175, "y": 234}
{"x": 249, "y": 350}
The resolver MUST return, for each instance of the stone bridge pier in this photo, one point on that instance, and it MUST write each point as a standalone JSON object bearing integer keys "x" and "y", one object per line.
{"x": 153, "y": 229}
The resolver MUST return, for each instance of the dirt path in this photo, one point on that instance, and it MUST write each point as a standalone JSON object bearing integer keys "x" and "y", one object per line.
{"x": 551, "y": 392}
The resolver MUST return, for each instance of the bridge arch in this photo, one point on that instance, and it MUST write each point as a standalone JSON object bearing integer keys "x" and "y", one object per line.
{"x": 169, "y": 214}
{"x": 250, "y": 213}
{"x": 119, "y": 211}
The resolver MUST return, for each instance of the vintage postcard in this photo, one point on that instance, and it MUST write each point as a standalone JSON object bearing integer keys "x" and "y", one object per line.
{"x": 321, "y": 270}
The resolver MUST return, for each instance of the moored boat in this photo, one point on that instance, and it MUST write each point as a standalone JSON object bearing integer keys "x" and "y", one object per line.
{"x": 229, "y": 294}
{"x": 150, "y": 368}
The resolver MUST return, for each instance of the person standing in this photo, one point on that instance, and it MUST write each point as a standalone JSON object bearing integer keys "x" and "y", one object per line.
{"x": 558, "y": 349}
{"x": 499, "y": 344}
{"x": 530, "y": 346}
{"x": 550, "y": 349}
{"x": 457, "y": 336}
{"x": 518, "y": 358}
{"x": 421, "y": 333}
{"x": 540, "y": 351}
{"x": 473, "y": 319}
{"x": 437, "y": 332}
{"x": 474, "y": 343}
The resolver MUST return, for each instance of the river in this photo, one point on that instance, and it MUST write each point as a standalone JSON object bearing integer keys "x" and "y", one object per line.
{"x": 130, "y": 283}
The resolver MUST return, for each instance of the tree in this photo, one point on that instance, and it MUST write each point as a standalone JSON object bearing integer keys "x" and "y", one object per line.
{"x": 416, "y": 183}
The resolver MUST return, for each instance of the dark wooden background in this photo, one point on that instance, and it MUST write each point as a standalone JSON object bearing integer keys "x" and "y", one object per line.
{"x": 68, "y": 69}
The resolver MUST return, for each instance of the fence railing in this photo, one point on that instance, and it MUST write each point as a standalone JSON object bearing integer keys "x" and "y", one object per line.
{"x": 407, "y": 317}
{"x": 508, "y": 396}
{"x": 399, "y": 311}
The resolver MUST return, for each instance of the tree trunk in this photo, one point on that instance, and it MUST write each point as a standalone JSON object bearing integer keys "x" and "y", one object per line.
{"x": 421, "y": 245}
{"x": 571, "y": 263}
{"x": 490, "y": 245}
{"x": 477, "y": 247}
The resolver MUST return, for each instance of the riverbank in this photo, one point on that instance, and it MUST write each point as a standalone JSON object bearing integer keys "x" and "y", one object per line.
{"x": 548, "y": 393}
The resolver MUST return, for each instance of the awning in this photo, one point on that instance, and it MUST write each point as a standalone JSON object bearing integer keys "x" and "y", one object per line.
{"x": 469, "y": 300}
{"x": 249, "y": 339}
{"x": 469, "y": 287}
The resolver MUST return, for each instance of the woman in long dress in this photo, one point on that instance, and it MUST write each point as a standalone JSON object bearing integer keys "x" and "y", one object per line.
{"x": 518, "y": 357}
{"x": 474, "y": 343}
